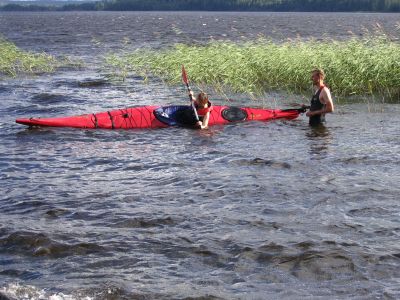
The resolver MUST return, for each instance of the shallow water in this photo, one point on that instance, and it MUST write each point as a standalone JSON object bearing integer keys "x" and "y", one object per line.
{"x": 258, "y": 210}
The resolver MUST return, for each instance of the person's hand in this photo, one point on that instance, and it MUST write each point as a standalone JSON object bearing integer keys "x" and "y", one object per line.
{"x": 199, "y": 124}
{"x": 191, "y": 95}
{"x": 309, "y": 114}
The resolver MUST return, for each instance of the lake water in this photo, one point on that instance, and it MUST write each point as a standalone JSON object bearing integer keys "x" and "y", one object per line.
{"x": 258, "y": 210}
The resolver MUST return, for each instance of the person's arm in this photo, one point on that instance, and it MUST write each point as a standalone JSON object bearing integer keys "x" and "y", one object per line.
{"x": 199, "y": 124}
{"x": 204, "y": 124}
{"x": 325, "y": 99}
{"x": 192, "y": 96}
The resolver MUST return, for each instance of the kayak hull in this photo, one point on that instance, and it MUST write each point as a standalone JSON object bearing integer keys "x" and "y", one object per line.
{"x": 158, "y": 117}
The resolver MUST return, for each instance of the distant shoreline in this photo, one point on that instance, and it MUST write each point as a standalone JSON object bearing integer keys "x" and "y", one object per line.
{"x": 370, "y": 6}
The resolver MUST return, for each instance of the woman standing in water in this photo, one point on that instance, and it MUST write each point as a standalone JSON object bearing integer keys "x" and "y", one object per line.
{"x": 321, "y": 101}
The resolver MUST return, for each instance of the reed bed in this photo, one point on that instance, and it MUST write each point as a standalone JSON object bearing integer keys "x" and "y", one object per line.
{"x": 14, "y": 61}
{"x": 361, "y": 67}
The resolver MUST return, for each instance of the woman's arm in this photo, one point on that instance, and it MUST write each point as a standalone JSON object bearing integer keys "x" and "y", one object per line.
{"x": 204, "y": 124}
{"x": 327, "y": 100}
{"x": 192, "y": 96}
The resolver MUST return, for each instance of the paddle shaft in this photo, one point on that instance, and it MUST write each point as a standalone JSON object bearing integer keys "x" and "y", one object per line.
{"x": 186, "y": 81}
{"x": 299, "y": 110}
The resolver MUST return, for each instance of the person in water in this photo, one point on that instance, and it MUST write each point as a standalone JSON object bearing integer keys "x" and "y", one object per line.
{"x": 203, "y": 108}
{"x": 321, "y": 102}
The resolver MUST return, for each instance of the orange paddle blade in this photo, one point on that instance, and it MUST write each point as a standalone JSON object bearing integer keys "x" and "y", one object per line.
{"x": 184, "y": 75}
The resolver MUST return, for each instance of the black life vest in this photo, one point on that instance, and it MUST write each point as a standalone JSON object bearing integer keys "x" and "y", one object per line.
{"x": 317, "y": 105}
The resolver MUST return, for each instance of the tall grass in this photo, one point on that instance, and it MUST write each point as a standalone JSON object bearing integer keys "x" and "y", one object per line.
{"x": 14, "y": 61}
{"x": 369, "y": 66}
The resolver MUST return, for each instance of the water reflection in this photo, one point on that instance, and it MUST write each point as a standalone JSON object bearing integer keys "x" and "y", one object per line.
{"x": 320, "y": 138}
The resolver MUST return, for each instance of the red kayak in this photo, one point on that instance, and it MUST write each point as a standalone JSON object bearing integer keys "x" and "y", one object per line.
{"x": 161, "y": 116}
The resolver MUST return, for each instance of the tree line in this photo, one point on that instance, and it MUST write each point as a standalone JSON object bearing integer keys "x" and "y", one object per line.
{"x": 219, "y": 5}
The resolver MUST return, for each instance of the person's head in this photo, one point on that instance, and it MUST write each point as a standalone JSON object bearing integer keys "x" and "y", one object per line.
{"x": 317, "y": 76}
{"x": 202, "y": 99}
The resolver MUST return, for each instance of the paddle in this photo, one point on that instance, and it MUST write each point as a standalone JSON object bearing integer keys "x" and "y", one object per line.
{"x": 303, "y": 108}
{"x": 186, "y": 81}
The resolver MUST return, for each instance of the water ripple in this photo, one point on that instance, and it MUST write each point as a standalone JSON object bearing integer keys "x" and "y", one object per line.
{"x": 38, "y": 244}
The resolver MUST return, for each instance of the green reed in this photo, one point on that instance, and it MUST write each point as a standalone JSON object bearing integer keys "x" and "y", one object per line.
{"x": 369, "y": 66}
{"x": 14, "y": 61}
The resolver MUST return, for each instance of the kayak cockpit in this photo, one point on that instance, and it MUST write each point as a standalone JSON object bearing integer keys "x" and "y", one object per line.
{"x": 183, "y": 115}
{"x": 176, "y": 115}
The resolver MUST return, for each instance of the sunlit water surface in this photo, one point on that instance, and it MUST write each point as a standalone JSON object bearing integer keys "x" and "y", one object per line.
{"x": 258, "y": 210}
